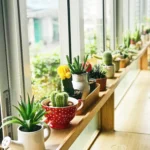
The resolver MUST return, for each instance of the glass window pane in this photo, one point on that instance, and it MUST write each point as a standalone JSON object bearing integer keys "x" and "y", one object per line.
{"x": 93, "y": 26}
{"x": 109, "y": 24}
{"x": 44, "y": 47}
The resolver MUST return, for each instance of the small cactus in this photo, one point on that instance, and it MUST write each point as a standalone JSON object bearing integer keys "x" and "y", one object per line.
{"x": 65, "y": 98}
{"x": 107, "y": 58}
{"x": 59, "y": 99}
{"x": 52, "y": 97}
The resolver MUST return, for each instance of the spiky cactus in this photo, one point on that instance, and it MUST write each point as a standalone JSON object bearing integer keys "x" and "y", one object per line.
{"x": 52, "y": 97}
{"x": 107, "y": 58}
{"x": 59, "y": 99}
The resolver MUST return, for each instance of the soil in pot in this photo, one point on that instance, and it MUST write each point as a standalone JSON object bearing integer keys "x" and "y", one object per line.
{"x": 50, "y": 104}
{"x": 102, "y": 82}
{"x": 35, "y": 128}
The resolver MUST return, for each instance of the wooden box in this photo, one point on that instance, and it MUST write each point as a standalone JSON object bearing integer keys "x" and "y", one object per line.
{"x": 89, "y": 100}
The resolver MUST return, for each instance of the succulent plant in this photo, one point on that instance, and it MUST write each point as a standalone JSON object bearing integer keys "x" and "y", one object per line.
{"x": 30, "y": 115}
{"x": 126, "y": 40}
{"x": 77, "y": 67}
{"x": 59, "y": 99}
{"x": 97, "y": 71}
{"x": 107, "y": 58}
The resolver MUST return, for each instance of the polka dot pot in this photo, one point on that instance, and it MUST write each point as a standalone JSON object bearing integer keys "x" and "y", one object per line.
{"x": 60, "y": 117}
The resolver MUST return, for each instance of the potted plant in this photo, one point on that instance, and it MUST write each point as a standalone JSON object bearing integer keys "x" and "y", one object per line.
{"x": 79, "y": 74}
{"x": 60, "y": 109}
{"x": 65, "y": 75}
{"x": 99, "y": 74}
{"x": 31, "y": 130}
{"x": 116, "y": 60}
{"x": 108, "y": 61}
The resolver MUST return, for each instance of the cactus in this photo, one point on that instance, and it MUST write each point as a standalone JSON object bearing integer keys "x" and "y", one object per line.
{"x": 65, "y": 102}
{"x": 52, "y": 97}
{"x": 107, "y": 58}
{"x": 59, "y": 99}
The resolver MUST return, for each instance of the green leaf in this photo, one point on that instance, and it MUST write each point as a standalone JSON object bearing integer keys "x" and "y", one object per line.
{"x": 23, "y": 115}
{"x": 16, "y": 121}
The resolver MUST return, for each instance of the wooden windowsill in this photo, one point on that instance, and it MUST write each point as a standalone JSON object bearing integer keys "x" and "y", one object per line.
{"x": 63, "y": 139}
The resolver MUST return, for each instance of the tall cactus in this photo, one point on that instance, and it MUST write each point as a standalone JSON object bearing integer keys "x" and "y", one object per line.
{"x": 107, "y": 58}
{"x": 59, "y": 99}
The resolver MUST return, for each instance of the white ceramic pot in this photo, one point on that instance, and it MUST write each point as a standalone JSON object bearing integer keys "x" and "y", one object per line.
{"x": 143, "y": 38}
{"x": 110, "y": 71}
{"x": 28, "y": 140}
{"x": 147, "y": 37}
{"x": 80, "y": 82}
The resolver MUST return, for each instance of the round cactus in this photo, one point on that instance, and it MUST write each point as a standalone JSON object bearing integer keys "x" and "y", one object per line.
{"x": 107, "y": 58}
{"x": 59, "y": 99}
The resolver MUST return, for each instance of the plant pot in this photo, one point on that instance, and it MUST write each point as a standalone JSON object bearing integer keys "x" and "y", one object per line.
{"x": 102, "y": 82}
{"x": 147, "y": 37}
{"x": 143, "y": 39}
{"x": 80, "y": 82}
{"x": 28, "y": 140}
{"x": 110, "y": 71}
{"x": 116, "y": 65}
{"x": 123, "y": 63}
{"x": 60, "y": 117}
{"x": 127, "y": 61}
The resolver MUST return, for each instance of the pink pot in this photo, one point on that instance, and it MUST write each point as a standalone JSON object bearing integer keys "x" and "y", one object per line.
{"x": 60, "y": 117}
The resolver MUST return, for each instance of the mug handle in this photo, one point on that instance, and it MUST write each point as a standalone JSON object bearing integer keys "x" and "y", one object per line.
{"x": 46, "y": 127}
{"x": 81, "y": 103}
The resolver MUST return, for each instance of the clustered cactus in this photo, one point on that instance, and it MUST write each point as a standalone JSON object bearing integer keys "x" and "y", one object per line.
{"x": 107, "y": 58}
{"x": 59, "y": 99}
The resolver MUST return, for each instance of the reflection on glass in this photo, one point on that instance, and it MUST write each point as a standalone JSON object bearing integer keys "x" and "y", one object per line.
{"x": 43, "y": 36}
{"x": 93, "y": 26}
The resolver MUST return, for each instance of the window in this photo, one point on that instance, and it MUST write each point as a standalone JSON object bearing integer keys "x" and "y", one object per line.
{"x": 44, "y": 46}
{"x": 93, "y": 26}
{"x": 110, "y": 22}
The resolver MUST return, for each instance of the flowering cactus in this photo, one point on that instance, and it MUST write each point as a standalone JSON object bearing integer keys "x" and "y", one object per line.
{"x": 64, "y": 72}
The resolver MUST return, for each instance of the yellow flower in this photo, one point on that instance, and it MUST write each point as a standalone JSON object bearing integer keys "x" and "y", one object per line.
{"x": 62, "y": 76}
{"x": 64, "y": 72}
{"x": 68, "y": 75}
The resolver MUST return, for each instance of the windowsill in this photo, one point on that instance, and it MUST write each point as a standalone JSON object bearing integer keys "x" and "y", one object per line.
{"x": 63, "y": 139}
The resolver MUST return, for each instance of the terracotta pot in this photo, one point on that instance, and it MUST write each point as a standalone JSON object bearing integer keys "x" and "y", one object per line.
{"x": 122, "y": 63}
{"x": 60, "y": 117}
{"x": 132, "y": 42}
{"x": 102, "y": 82}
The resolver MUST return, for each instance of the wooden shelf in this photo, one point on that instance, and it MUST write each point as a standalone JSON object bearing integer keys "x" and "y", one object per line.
{"x": 63, "y": 139}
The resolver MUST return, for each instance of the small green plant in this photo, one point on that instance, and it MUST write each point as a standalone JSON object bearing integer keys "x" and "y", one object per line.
{"x": 97, "y": 71}
{"x": 126, "y": 40}
{"x": 107, "y": 58}
{"x": 30, "y": 115}
{"x": 59, "y": 99}
{"x": 77, "y": 67}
